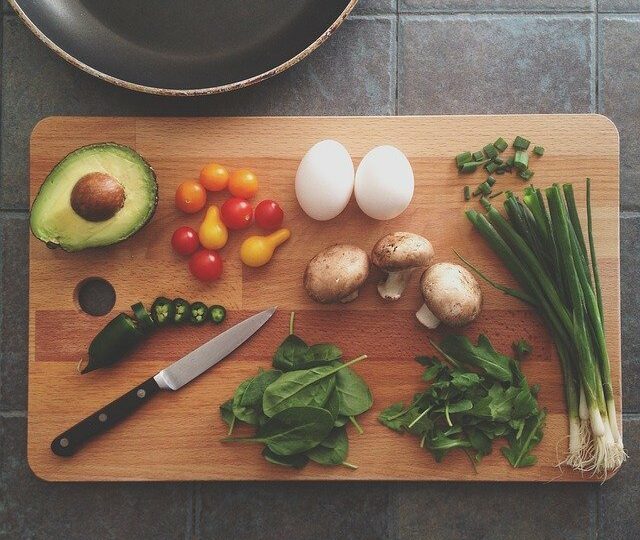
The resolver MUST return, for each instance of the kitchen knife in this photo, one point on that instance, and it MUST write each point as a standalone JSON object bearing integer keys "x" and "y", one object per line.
{"x": 172, "y": 377}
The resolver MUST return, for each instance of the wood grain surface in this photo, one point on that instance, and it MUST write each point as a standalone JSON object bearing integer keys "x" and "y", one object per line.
{"x": 177, "y": 436}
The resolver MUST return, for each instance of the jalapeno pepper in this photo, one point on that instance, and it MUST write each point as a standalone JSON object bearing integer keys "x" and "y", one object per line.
{"x": 199, "y": 313}
{"x": 112, "y": 343}
{"x": 217, "y": 314}
{"x": 162, "y": 311}
{"x": 181, "y": 310}
{"x": 145, "y": 322}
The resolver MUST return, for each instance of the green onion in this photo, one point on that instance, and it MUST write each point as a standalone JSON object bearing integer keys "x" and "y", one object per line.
{"x": 544, "y": 250}
{"x": 498, "y": 161}
{"x": 467, "y": 193}
{"x": 521, "y": 160}
{"x": 491, "y": 180}
{"x": 463, "y": 158}
{"x": 470, "y": 167}
{"x": 491, "y": 151}
{"x": 491, "y": 167}
{"x": 527, "y": 174}
{"x": 483, "y": 189}
{"x": 538, "y": 150}
{"x": 478, "y": 156}
{"x": 510, "y": 161}
{"x": 520, "y": 143}
{"x": 501, "y": 145}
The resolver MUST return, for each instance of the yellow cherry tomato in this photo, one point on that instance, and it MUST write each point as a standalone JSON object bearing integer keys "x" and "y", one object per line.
{"x": 212, "y": 233}
{"x": 243, "y": 183}
{"x": 214, "y": 177}
{"x": 257, "y": 251}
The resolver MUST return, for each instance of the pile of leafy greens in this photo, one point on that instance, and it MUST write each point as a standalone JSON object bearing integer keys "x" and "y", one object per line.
{"x": 475, "y": 395}
{"x": 301, "y": 406}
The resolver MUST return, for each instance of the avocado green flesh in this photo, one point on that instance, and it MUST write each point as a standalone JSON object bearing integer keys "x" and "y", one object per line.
{"x": 54, "y": 221}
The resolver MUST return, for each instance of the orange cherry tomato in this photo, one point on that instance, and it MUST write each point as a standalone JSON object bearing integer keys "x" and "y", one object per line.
{"x": 243, "y": 183}
{"x": 190, "y": 197}
{"x": 214, "y": 177}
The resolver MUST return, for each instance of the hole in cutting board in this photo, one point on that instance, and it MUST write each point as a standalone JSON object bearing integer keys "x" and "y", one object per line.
{"x": 95, "y": 296}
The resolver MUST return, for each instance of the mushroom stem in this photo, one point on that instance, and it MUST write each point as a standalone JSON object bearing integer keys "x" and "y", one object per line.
{"x": 350, "y": 298}
{"x": 426, "y": 317}
{"x": 395, "y": 284}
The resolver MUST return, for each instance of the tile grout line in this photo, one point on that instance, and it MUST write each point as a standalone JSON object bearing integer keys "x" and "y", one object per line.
{"x": 595, "y": 87}
{"x": 397, "y": 55}
{"x": 197, "y": 510}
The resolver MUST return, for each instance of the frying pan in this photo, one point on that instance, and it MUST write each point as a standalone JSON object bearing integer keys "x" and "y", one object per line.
{"x": 183, "y": 47}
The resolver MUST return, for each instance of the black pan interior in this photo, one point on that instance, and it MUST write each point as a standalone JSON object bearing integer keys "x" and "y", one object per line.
{"x": 183, "y": 44}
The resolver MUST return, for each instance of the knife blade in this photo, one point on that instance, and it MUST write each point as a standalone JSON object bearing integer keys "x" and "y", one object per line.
{"x": 173, "y": 377}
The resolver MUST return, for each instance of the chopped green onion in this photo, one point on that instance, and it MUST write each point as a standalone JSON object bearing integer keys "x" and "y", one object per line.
{"x": 538, "y": 150}
{"x": 463, "y": 158}
{"x": 521, "y": 160}
{"x": 527, "y": 174}
{"x": 483, "y": 189}
{"x": 491, "y": 151}
{"x": 501, "y": 145}
{"x": 500, "y": 170}
{"x": 491, "y": 167}
{"x": 498, "y": 161}
{"x": 491, "y": 180}
{"x": 510, "y": 161}
{"x": 469, "y": 167}
{"x": 478, "y": 156}
{"x": 467, "y": 193}
{"x": 520, "y": 143}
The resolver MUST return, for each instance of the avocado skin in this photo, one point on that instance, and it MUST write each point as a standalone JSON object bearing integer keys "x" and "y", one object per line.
{"x": 116, "y": 239}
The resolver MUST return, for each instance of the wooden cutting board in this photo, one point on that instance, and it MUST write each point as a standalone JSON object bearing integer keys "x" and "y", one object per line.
{"x": 177, "y": 436}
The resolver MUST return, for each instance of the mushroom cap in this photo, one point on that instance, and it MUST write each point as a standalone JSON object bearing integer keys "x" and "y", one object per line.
{"x": 451, "y": 293}
{"x": 336, "y": 273}
{"x": 401, "y": 251}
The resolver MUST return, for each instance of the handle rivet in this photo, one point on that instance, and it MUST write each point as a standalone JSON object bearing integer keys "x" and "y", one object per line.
{"x": 64, "y": 442}
{"x": 102, "y": 417}
{"x": 141, "y": 393}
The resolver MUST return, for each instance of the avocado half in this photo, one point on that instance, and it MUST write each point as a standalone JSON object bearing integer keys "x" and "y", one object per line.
{"x": 96, "y": 196}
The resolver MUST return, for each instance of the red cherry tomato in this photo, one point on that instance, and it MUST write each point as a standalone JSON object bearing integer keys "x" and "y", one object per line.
{"x": 269, "y": 215}
{"x": 236, "y": 213}
{"x": 206, "y": 265}
{"x": 185, "y": 241}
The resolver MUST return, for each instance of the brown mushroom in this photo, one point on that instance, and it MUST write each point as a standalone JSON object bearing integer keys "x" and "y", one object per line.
{"x": 451, "y": 295}
{"x": 336, "y": 273}
{"x": 398, "y": 255}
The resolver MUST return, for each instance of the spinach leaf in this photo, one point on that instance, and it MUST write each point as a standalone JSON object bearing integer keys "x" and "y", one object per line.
{"x": 483, "y": 356}
{"x": 292, "y": 354}
{"x": 310, "y": 387}
{"x": 353, "y": 393}
{"x": 333, "y": 404}
{"x": 297, "y": 461}
{"x": 226, "y": 411}
{"x": 247, "y": 400}
{"x": 325, "y": 353}
{"x": 331, "y": 451}
{"x": 292, "y": 431}
{"x": 340, "y": 421}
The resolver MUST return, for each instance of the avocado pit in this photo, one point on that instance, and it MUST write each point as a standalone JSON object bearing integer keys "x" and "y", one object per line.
{"x": 97, "y": 196}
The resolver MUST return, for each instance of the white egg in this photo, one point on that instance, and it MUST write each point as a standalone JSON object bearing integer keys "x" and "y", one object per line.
{"x": 384, "y": 183}
{"x": 324, "y": 181}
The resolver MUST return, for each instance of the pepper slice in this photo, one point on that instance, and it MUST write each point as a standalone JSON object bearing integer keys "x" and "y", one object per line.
{"x": 199, "y": 313}
{"x": 181, "y": 310}
{"x": 217, "y": 314}
{"x": 162, "y": 311}
{"x": 145, "y": 322}
{"x": 112, "y": 343}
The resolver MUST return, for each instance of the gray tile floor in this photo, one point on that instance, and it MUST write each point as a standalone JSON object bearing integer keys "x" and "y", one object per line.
{"x": 392, "y": 57}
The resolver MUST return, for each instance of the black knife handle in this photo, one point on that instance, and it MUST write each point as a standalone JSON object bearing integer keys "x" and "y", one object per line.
{"x": 67, "y": 443}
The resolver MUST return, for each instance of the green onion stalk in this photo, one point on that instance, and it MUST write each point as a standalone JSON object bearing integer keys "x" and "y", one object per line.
{"x": 542, "y": 244}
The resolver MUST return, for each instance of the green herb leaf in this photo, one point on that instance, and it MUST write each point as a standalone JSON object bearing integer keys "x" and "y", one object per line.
{"x": 333, "y": 450}
{"x": 296, "y": 461}
{"x": 325, "y": 353}
{"x": 353, "y": 393}
{"x": 292, "y": 431}
{"x": 483, "y": 356}
{"x": 247, "y": 400}
{"x": 519, "y": 450}
{"x": 292, "y": 354}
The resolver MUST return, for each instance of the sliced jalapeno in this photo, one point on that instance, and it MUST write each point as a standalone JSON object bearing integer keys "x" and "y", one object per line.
{"x": 112, "y": 343}
{"x": 217, "y": 314}
{"x": 145, "y": 322}
{"x": 162, "y": 311}
{"x": 199, "y": 313}
{"x": 181, "y": 311}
